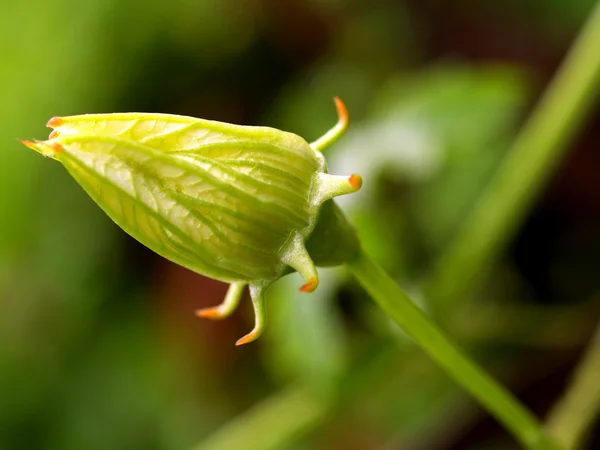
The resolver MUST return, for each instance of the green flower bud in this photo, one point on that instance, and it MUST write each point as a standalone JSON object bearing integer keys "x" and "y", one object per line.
{"x": 234, "y": 203}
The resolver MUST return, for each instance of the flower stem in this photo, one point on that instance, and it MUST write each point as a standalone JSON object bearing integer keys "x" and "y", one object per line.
{"x": 498, "y": 401}
{"x": 573, "y": 415}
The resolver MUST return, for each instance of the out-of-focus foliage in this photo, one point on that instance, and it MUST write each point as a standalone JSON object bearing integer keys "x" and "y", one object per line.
{"x": 99, "y": 347}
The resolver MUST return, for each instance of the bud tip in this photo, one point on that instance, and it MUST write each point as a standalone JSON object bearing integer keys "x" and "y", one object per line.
{"x": 55, "y": 122}
{"x": 29, "y": 144}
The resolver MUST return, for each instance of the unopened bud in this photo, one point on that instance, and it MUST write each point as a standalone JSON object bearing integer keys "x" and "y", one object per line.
{"x": 234, "y": 203}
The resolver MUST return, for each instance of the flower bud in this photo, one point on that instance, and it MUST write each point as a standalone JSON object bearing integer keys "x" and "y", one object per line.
{"x": 234, "y": 203}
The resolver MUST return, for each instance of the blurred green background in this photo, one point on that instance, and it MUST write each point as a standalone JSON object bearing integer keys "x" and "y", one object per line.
{"x": 99, "y": 346}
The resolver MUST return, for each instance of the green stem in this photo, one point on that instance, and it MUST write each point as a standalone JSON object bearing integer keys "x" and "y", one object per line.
{"x": 499, "y": 402}
{"x": 535, "y": 153}
{"x": 572, "y": 417}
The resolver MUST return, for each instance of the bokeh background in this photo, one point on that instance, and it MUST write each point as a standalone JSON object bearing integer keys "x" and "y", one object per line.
{"x": 99, "y": 346}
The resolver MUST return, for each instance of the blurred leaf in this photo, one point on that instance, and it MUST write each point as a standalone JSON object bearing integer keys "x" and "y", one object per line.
{"x": 442, "y": 132}
{"x": 306, "y": 107}
{"x": 370, "y": 43}
{"x": 58, "y": 252}
{"x": 307, "y": 341}
{"x": 270, "y": 424}
{"x": 379, "y": 238}
{"x": 558, "y": 13}
{"x": 214, "y": 29}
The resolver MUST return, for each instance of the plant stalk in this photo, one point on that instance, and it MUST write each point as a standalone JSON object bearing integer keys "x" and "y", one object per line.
{"x": 530, "y": 162}
{"x": 496, "y": 399}
{"x": 573, "y": 415}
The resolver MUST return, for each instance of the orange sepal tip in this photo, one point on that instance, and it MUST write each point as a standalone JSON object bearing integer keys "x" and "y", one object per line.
{"x": 342, "y": 111}
{"x": 310, "y": 286}
{"x": 355, "y": 181}
{"x": 252, "y": 336}
{"x": 210, "y": 313}
{"x": 55, "y": 146}
{"x": 55, "y": 122}
{"x": 29, "y": 144}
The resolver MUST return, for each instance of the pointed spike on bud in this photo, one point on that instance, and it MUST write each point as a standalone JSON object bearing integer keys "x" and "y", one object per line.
{"x": 46, "y": 148}
{"x": 311, "y": 286}
{"x": 257, "y": 293}
{"x": 54, "y": 134}
{"x": 231, "y": 301}
{"x": 250, "y": 337}
{"x": 337, "y": 131}
{"x": 55, "y": 122}
{"x": 296, "y": 256}
{"x": 330, "y": 186}
{"x": 29, "y": 144}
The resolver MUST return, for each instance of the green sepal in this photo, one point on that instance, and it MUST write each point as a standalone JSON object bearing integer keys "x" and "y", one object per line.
{"x": 333, "y": 241}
